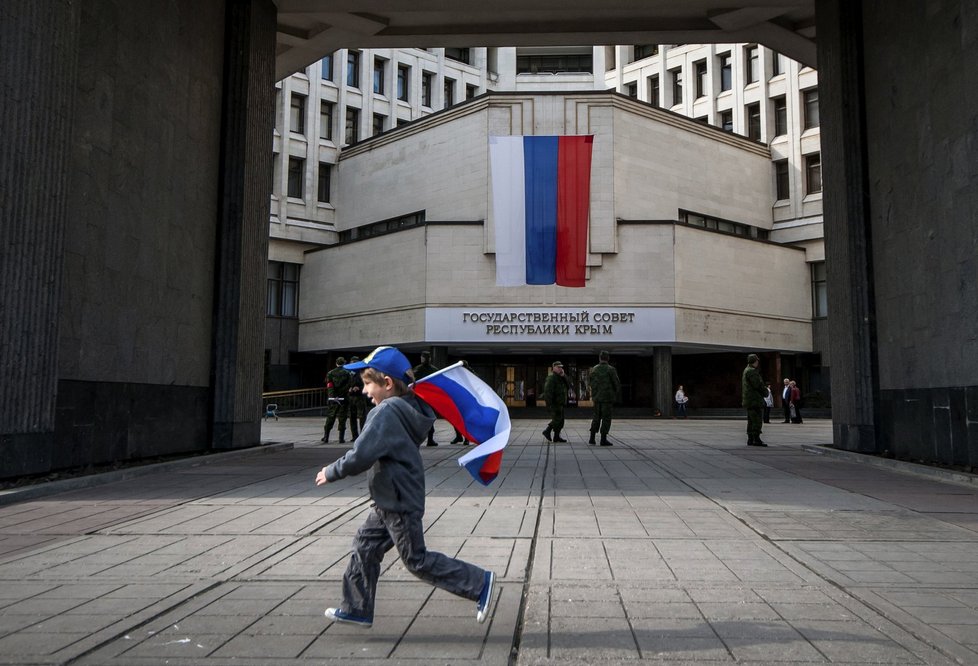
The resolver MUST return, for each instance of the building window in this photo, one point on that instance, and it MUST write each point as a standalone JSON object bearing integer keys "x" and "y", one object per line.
{"x": 403, "y": 82}
{"x": 780, "y": 116}
{"x": 352, "y": 126}
{"x": 471, "y": 91}
{"x": 726, "y": 121}
{"x": 677, "y": 85}
{"x": 813, "y": 173}
{"x": 726, "y": 72}
{"x": 777, "y": 66}
{"x": 810, "y": 102}
{"x": 717, "y": 224}
{"x": 380, "y": 67}
{"x": 426, "y": 78}
{"x": 631, "y": 89}
{"x": 654, "y": 90}
{"x": 449, "y": 89}
{"x": 781, "y": 192}
{"x": 283, "y": 290}
{"x": 297, "y": 114}
{"x": 753, "y": 112}
{"x": 461, "y": 55}
{"x": 383, "y": 227}
{"x": 556, "y": 63}
{"x": 402, "y": 121}
{"x": 752, "y": 64}
{"x": 643, "y": 51}
{"x": 379, "y": 120}
{"x": 326, "y": 121}
{"x": 326, "y": 68}
{"x": 296, "y": 165}
{"x": 702, "y": 82}
{"x": 820, "y": 292}
{"x": 322, "y": 190}
{"x": 353, "y": 69}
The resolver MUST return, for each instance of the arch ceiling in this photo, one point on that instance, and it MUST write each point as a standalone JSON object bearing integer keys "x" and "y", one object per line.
{"x": 309, "y": 29}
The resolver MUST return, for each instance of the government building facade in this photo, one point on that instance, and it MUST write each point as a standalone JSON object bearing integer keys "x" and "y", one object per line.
{"x": 705, "y": 233}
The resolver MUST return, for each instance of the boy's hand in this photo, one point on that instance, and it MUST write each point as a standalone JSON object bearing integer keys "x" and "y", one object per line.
{"x": 321, "y": 477}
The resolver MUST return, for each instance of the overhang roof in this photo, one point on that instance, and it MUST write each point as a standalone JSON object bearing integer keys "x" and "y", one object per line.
{"x": 310, "y": 29}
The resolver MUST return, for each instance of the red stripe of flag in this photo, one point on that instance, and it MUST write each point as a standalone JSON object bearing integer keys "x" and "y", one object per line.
{"x": 573, "y": 199}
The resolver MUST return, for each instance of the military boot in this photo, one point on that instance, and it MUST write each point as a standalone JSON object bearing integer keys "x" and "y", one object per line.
{"x": 604, "y": 441}
{"x": 557, "y": 437}
{"x": 546, "y": 434}
{"x": 342, "y": 435}
{"x": 591, "y": 440}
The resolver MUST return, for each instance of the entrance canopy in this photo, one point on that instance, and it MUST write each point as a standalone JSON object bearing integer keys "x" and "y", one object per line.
{"x": 311, "y": 29}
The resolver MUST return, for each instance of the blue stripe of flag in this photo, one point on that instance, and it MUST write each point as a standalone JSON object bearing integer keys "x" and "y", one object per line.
{"x": 540, "y": 178}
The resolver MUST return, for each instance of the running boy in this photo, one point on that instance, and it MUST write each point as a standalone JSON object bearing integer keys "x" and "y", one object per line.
{"x": 388, "y": 446}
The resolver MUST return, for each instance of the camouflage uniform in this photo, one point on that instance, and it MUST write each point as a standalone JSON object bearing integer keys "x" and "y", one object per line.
{"x": 358, "y": 402}
{"x": 337, "y": 391}
{"x": 605, "y": 387}
{"x": 424, "y": 369}
{"x": 754, "y": 390}
{"x": 555, "y": 393}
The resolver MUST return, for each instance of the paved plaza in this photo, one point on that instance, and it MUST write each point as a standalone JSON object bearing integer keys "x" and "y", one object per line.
{"x": 678, "y": 545}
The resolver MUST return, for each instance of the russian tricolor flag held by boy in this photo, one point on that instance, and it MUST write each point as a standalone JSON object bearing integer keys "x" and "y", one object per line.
{"x": 541, "y": 191}
{"x": 475, "y": 410}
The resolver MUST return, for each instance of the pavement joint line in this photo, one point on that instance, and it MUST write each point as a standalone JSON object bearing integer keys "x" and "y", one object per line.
{"x": 821, "y": 576}
{"x": 528, "y": 568}
{"x": 934, "y": 473}
{"x": 45, "y": 488}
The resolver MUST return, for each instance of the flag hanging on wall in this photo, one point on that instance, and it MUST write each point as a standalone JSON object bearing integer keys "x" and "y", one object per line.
{"x": 469, "y": 404}
{"x": 541, "y": 195}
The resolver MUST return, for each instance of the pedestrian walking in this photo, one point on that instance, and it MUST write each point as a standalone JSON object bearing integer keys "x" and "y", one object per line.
{"x": 786, "y": 400}
{"x": 795, "y": 405}
{"x": 681, "y": 400}
{"x": 768, "y": 404}
{"x": 555, "y": 391}
{"x": 358, "y": 402}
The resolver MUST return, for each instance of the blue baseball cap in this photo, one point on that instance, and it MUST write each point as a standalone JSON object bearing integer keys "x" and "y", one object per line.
{"x": 388, "y": 360}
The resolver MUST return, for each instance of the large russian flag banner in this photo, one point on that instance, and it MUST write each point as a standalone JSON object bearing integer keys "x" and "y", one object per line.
{"x": 541, "y": 195}
{"x": 469, "y": 404}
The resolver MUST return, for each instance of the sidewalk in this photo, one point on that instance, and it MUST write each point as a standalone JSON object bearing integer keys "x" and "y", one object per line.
{"x": 679, "y": 545}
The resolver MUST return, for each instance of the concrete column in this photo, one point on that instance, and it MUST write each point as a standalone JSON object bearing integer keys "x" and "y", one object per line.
{"x": 848, "y": 239}
{"x": 439, "y": 356}
{"x": 662, "y": 380}
{"x": 37, "y": 85}
{"x": 246, "y": 180}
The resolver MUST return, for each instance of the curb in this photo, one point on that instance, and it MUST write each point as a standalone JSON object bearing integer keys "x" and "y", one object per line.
{"x": 14, "y": 495}
{"x": 936, "y": 473}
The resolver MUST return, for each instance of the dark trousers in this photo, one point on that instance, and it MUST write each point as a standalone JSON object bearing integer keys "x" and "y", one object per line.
{"x": 383, "y": 530}
{"x": 602, "y": 418}
{"x": 787, "y": 411}
{"x": 556, "y": 418}
{"x": 753, "y": 422}
{"x": 767, "y": 414}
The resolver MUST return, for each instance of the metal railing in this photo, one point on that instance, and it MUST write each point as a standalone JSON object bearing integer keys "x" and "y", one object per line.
{"x": 293, "y": 402}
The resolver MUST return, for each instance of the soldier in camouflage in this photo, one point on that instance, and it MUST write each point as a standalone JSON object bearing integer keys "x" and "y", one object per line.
{"x": 605, "y": 388}
{"x": 555, "y": 393}
{"x": 754, "y": 390}
{"x": 337, "y": 391}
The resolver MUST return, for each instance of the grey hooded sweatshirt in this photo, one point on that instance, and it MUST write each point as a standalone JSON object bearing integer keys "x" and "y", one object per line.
{"x": 388, "y": 444}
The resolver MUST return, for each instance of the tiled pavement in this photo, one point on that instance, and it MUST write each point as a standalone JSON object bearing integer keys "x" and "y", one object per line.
{"x": 678, "y": 545}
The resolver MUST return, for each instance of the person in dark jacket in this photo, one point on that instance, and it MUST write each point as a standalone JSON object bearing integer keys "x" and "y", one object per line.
{"x": 605, "y": 387}
{"x": 754, "y": 389}
{"x": 358, "y": 402}
{"x": 555, "y": 393}
{"x": 388, "y": 447}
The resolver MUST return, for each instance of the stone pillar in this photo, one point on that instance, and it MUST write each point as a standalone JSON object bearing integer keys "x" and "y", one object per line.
{"x": 246, "y": 180}
{"x": 37, "y": 85}
{"x": 662, "y": 393}
{"x": 848, "y": 239}
{"x": 439, "y": 356}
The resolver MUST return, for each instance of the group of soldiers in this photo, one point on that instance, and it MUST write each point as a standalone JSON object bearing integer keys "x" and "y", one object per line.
{"x": 344, "y": 399}
{"x": 605, "y": 391}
